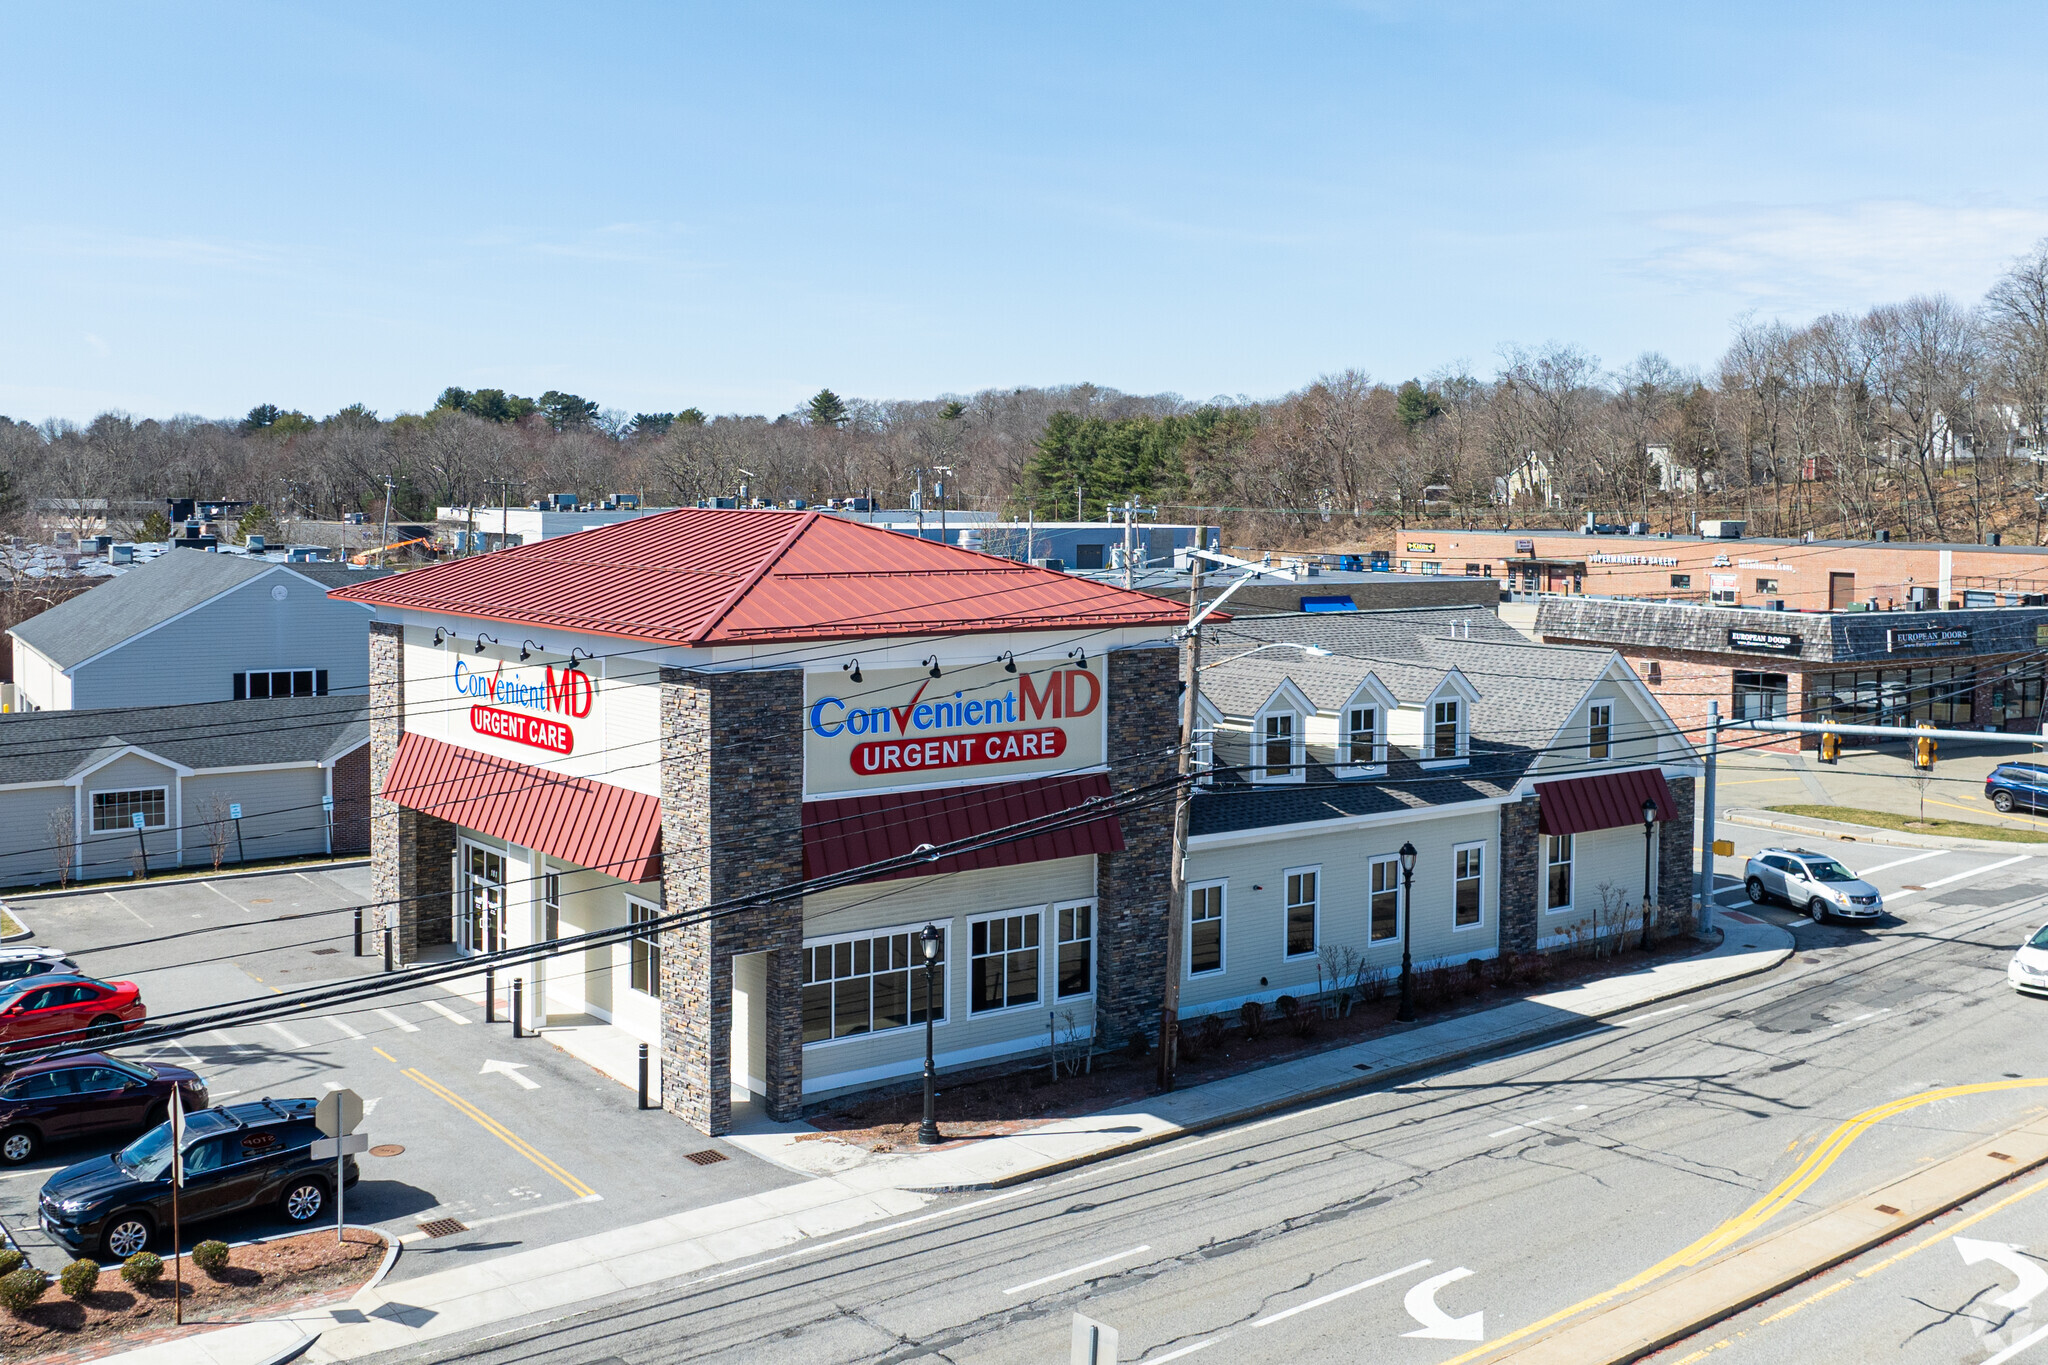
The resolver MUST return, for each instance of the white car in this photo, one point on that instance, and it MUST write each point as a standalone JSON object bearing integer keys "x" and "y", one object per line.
{"x": 2029, "y": 970}
{"x": 19, "y": 962}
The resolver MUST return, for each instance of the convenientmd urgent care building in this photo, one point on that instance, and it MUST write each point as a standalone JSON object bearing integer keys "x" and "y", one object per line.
{"x": 593, "y": 731}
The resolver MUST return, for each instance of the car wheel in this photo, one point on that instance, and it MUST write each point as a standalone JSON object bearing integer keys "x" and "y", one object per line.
{"x": 127, "y": 1234}
{"x": 106, "y": 1026}
{"x": 1817, "y": 910}
{"x": 1757, "y": 894}
{"x": 304, "y": 1199}
{"x": 18, "y": 1145}
{"x": 2001, "y": 802}
{"x": 158, "y": 1113}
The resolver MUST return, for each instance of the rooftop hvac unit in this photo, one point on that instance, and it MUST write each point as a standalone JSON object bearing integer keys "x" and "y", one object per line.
{"x": 1056, "y": 565}
{"x": 255, "y": 545}
{"x": 120, "y": 554}
{"x": 1722, "y": 530}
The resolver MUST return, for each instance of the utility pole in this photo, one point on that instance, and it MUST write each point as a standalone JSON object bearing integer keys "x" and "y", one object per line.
{"x": 1130, "y": 509}
{"x": 939, "y": 487}
{"x": 384, "y": 536}
{"x": 1707, "y": 832}
{"x": 1077, "y": 500}
{"x": 917, "y": 502}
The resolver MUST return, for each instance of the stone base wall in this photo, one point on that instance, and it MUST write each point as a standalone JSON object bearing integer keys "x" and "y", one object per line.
{"x": 1521, "y": 854}
{"x": 1677, "y": 862}
{"x": 1132, "y": 888}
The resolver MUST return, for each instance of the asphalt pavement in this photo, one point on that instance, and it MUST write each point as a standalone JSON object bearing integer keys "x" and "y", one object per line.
{"x": 514, "y": 1140}
{"x": 1437, "y": 1221}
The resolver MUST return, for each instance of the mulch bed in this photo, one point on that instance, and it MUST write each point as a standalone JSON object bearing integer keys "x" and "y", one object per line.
{"x": 261, "y": 1280}
{"x": 994, "y": 1102}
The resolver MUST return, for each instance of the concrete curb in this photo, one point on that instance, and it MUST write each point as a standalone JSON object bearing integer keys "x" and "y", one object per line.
{"x": 169, "y": 879}
{"x": 392, "y": 1246}
{"x": 1365, "y": 1081}
{"x": 1865, "y": 834}
{"x": 26, "y": 932}
{"x": 291, "y": 1352}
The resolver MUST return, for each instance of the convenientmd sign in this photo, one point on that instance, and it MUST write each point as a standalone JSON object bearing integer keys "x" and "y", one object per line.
{"x": 902, "y": 729}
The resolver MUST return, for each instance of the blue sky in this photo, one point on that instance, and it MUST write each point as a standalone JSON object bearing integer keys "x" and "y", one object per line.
{"x": 211, "y": 206}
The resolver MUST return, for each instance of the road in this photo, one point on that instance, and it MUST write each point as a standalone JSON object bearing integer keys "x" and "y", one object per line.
{"x": 533, "y": 1150}
{"x": 1433, "y": 1221}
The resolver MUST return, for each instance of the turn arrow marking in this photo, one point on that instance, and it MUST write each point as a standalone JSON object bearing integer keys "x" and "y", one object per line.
{"x": 2032, "y": 1277}
{"x": 1437, "y": 1324}
{"x": 510, "y": 1069}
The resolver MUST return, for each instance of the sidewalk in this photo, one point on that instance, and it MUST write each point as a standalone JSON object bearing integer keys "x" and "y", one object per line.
{"x": 853, "y": 1189}
{"x": 1863, "y": 834}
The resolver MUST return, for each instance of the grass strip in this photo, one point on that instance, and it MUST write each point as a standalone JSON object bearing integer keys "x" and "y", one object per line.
{"x": 1884, "y": 819}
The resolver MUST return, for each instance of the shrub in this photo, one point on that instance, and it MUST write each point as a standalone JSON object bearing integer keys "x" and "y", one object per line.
{"x": 1439, "y": 982}
{"x": 143, "y": 1268}
{"x": 10, "y": 1260}
{"x": 1254, "y": 1016}
{"x": 1187, "y": 1043}
{"x": 1136, "y": 1046}
{"x": 1213, "y": 1029}
{"x": 211, "y": 1256}
{"x": 79, "y": 1279}
{"x": 20, "y": 1289}
{"x": 1475, "y": 976}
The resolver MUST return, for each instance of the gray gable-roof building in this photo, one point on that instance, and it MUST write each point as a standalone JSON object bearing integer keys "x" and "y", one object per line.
{"x": 190, "y": 626}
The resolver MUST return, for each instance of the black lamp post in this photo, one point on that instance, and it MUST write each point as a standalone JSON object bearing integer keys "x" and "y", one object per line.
{"x": 929, "y": 940}
{"x": 1649, "y": 829}
{"x": 1407, "y": 1011}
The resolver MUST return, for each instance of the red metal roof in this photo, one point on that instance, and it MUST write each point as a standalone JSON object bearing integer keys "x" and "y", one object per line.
{"x": 1579, "y": 805}
{"x": 854, "y": 831}
{"x": 591, "y": 824}
{"x": 702, "y": 576}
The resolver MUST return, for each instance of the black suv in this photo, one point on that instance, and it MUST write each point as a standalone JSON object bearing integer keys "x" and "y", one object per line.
{"x": 239, "y": 1157}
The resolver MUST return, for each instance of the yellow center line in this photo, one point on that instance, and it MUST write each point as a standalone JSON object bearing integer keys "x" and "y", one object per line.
{"x": 385, "y": 1055}
{"x": 499, "y": 1131}
{"x": 1981, "y": 811}
{"x": 1775, "y": 1201}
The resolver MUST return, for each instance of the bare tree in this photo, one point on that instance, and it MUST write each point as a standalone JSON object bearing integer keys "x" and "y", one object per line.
{"x": 218, "y": 817}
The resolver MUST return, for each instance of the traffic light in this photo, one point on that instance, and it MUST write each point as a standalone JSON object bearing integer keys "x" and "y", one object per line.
{"x": 1923, "y": 751}
{"x": 1830, "y": 747}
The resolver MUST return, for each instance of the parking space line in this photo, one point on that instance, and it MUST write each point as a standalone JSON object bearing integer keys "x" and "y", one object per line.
{"x": 226, "y": 1041}
{"x": 391, "y": 1018}
{"x": 292, "y": 1038}
{"x": 442, "y": 1010}
{"x": 499, "y": 1131}
{"x": 346, "y": 1030}
{"x": 1901, "y": 862}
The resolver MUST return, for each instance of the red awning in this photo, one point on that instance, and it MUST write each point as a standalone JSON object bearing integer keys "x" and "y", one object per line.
{"x": 854, "y": 831}
{"x": 1578, "y": 805}
{"x": 591, "y": 824}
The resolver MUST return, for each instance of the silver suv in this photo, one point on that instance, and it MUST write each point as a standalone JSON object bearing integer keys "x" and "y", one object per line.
{"x": 1813, "y": 882}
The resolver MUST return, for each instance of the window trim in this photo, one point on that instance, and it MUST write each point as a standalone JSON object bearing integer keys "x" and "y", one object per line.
{"x": 1041, "y": 1001}
{"x": 945, "y": 969}
{"x": 1315, "y": 922}
{"x": 1605, "y": 746}
{"x": 1480, "y": 847}
{"x": 651, "y": 944}
{"x": 1222, "y": 887}
{"x": 1052, "y": 914}
{"x": 1368, "y": 697}
{"x": 92, "y": 814}
{"x": 1462, "y": 749}
{"x": 1297, "y": 767}
{"x": 1400, "y": 899}
{"x": 1572, "y": 862}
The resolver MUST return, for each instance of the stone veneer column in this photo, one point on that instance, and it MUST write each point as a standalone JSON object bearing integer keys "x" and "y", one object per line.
{"x": 731, "y": 824}
{"x": 1521, "y": 857}
{"x": 1677, "y": 863}
{"x": 410, "y": 852}
{"x": 1132, "y": 886}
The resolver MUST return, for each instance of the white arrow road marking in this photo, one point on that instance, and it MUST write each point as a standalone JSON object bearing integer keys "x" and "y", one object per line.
{"x": 2032, "y": 1277}
{"x": 509, "y": 1069}
{"x": 1436, "y": 1323}
{"x": 1349, "y": 1289}
{"x": 1972, "y": 872}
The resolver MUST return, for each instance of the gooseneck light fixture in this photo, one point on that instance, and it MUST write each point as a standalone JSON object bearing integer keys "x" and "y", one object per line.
{"x": 481, "y": 637}
{"x": 1079, "y": 656}
{"x": 1008, "y": 660}
{"x": 576, "y": 656}
{"x": 851, "y": 668}
{"x": 526, "y": 648}
{"x": 931, "y": 665}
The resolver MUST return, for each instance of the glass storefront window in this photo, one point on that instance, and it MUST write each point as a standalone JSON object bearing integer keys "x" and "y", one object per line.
{"x": 1904, "y": 696}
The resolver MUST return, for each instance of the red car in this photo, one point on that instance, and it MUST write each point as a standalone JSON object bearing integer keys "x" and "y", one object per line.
{"x": 62, "y": 1008}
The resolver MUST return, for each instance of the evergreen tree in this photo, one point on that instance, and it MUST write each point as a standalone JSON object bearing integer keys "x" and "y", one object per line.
{"x": 1414, "y": 405}
{"x": 826, "y": 410}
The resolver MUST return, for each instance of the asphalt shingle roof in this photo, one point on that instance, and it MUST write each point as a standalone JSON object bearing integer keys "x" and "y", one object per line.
{"x": 50, "y": 746}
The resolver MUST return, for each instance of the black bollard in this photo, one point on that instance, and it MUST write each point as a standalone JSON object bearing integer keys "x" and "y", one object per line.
{"x": 518, "y": 1010}
{"x": 643, "y": 1075}
{"x": 491, "y": 999}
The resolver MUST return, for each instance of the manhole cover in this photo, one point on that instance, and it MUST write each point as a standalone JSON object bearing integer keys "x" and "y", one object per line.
{"x": 707, "y": 1157}
{"x": 326, "y": 952}
{"x": 443, "y": 1227}
{"x": 387, "y": 1149}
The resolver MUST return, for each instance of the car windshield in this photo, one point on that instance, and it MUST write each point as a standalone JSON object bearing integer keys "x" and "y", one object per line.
{"x": 1828, "y": 870}
{"x": 2040, "y": 939}
{"x": 147, "y": 1156}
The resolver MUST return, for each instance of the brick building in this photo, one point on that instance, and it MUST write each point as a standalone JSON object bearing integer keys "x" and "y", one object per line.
{"x": 596, "y": 731}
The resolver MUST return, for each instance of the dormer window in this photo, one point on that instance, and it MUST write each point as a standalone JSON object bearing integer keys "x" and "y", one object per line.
{"x": 1445, "y": 729}
{"x": 1599, "y": 729}
{"x": 1277, "y": 739}
{"x": 1361, "y": 736}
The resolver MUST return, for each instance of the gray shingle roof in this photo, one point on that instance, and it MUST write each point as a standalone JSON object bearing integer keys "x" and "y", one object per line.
{"x": 50, "y": 746}
{"x": 1362, "y": 634}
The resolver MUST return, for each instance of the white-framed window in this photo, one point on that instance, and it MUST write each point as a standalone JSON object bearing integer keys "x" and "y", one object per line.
{"x": 1278, "y": 736}
{"x": 1202, "y": 755}
{"x": 1468, "y": 886}
{"x": 281, "y": 682}
{"x": 1557, "y": 872}
{"x": 1599, "y": 729}
{"x": 1205, "y": 928}
{"x": 1004, "y": 960}
{"x": 1721, "y": 589}
{"x": 645, "y": 976}
{"x": 1384, "y": 921}
{"x": 1074, "y": 941}
{"x": 1446, "y": 728}
{"x": 117, "y": 810}
{"x": 1361, "y": 735}
{"x": 1303, "y": 909}
{"x": 551, "y": 905}
{"x": 870, "y": 982}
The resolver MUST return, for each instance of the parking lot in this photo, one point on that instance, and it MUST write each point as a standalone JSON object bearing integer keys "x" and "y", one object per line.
{"x": 533, "y": 1150}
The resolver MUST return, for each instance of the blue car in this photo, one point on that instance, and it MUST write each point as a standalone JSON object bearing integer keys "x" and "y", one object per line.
{"x": 2018, "y": 784}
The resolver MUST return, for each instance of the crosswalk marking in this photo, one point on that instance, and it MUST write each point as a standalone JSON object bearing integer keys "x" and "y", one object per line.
{"x": 226, "y": 1041}
{"x": 391, "y": 1018}
{"x": 281, "y": 1031}
{"x": 442, "y": 1010}
{"x": 346, "y": 1030}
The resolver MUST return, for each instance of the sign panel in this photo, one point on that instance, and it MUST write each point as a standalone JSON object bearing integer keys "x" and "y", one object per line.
{"x": 1648, "y": 561}
{"x": 338, "y": 1112}
{"x": 535, "y": 706}
{"x": 900, "y": 729}
{"x": 1525, "y": 547}
{"x": 234, "y": 810}
{"x": 1419, "y": 547}
{"x": 1764, "y": 641}
{"x": 2041, "y": 637}
{"x": 1936, "y": 637}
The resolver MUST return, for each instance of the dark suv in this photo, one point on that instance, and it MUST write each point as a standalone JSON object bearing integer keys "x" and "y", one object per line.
{"x": 2017, "y": 784}
{"x": 239, "y": 1157}
{"x": 59, "y": 1099}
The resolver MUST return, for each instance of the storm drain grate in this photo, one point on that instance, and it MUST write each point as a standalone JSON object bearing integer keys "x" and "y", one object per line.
{"x": 1888, "y": 1210}
{"x": 709, "y": 1156}
{"x": 443, "y": 1227}
{"x": 1998, "y": 1156}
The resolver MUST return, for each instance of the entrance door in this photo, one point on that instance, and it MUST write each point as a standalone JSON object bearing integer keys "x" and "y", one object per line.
{"x": 1841, "y": 591}
{"x": 480, "y": 913}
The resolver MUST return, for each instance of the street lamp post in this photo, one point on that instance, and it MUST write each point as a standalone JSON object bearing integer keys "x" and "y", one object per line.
{"x": 1649, "y": 829}
{"x": 1407, "y": 1011}
{"x": 929, "y": 940}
